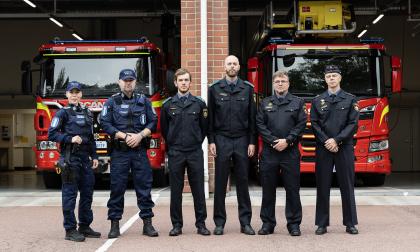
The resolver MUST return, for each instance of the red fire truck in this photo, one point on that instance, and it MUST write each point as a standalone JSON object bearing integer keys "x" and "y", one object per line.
{"x": 96, "y": 65}
{"x": 367, "y": 72}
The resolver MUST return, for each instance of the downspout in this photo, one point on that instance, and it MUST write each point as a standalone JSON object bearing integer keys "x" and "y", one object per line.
{"x": 203, "y": 80}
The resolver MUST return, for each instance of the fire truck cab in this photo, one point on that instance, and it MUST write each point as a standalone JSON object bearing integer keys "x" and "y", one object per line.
{"x": 312, "y": 37}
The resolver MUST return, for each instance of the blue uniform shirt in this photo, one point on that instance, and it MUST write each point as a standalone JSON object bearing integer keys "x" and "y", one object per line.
{"x": 71, "y": 121}
{"x": 128, "y": 115}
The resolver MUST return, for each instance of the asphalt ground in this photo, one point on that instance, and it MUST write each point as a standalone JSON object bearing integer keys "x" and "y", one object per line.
{"x": 389, "y": 220}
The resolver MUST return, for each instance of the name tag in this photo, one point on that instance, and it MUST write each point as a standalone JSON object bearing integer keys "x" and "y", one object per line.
{"x": 125, "y": 106}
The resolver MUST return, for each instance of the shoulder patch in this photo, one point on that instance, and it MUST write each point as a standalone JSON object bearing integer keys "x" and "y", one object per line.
{"x": 166, "y": 100}
{"x": 249, "y": 83}
{"x": 55, "y": 121}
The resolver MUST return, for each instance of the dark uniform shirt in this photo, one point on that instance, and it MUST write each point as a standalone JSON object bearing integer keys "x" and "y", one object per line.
{"x": 71, "y": 121}
{"x": 283, "y": 119}
{"x": 334, "y": 117}
{"x": 184, "y": 124}
{"x": 128, "y": 115}
{"x": 232, "y": 112}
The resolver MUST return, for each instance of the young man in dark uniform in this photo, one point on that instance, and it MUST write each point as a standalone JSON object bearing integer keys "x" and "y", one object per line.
{"x": 281, "y": 120}
{"x": 334, "y": 117}
{"x": 129, "y": 118}
{"x": 184, "y": 125}
{"x": 71, "y": 127}
{"x": 232, "y": 136}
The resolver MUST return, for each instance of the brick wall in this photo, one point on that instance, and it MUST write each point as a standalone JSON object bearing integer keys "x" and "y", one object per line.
{"x": 217, "y": 47}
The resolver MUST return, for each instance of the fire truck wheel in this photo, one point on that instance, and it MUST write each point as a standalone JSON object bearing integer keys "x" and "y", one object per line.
{"x": 52, "y": 180}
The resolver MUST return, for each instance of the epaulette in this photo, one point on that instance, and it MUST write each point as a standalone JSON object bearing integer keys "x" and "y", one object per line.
{"x": 116, "y": 94}
{"x": 166, "y": 100}
{"x": 214, "y": 83}
{"x": 249, "y": 83}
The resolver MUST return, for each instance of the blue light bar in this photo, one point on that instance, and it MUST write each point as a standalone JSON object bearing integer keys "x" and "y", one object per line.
{"x": 143, "y": 40}
{"x": 372, "y": 40}
{"x": 280, "y": 41}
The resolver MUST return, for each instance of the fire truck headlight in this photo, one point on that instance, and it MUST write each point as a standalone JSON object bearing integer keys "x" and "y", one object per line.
{"x": 374, "y": 159}
{"x": 43, "y": 145}
{"x": 378, "y": 145}
{"x": 47, "y": 145}
{"x": 154, "y": 143}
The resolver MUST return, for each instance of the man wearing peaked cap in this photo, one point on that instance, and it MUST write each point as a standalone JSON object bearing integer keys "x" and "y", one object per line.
{"x": 334, "y": 117}
{"x": 129, "y": 119}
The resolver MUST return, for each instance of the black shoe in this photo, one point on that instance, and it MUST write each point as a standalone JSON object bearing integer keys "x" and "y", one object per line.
{"x": 148, "y": 228}
{"x": 74, "y": 235}
{"x": 247, "y": 229}
{"x": 203, "y": 231}
{"x": 89, "y": 232}
{"x": 218, "y": 230}
{"x": 295, "y": 231}
{"x": 175, "y": 231}
{"x": 114, "y": 232}
{"x": 352, "y": 230}
{"x": 321, "y": 230}
{"x": 265, "y": 231}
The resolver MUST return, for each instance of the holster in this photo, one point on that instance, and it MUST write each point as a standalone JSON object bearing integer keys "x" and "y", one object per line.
{"x": 67, "y": 174}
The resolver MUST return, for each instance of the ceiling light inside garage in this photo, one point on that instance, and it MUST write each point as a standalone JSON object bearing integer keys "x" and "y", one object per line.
{"x": 30, "y": 3}
{"x": 56, "y": 22}
{"x": 361, "y": 34}
{"x": 378, "y": 18}
{"x": 76, "y": 36}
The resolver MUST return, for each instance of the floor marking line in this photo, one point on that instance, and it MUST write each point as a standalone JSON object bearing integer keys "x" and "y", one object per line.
{"x": 128, "y": 224}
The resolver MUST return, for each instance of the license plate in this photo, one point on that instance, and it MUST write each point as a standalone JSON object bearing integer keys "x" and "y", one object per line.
{"x": 101, "y": 144}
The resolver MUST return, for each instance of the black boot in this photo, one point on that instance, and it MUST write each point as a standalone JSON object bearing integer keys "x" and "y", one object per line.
{"x": 148, "y": 228}
{"x": 74, "y": 235}
{"x": 88, "y": 232}
{"x": 115, "y": 229}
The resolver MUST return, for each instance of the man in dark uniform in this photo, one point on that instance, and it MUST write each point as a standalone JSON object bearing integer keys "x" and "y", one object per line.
{"x": 129, "y": 118}
{"x": 281, "y": 120}
{"x": 72, "y": 128}
{"x": 184, "y": 125}
{"x": 232, "y": 131}
{"x": 334, "y": 117}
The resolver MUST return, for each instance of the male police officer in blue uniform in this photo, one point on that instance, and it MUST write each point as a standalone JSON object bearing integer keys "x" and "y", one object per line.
{"x": 334, "y": 117}
{"x": 281, "y": 120}
{"x": 184, "y": 123}
{"x": 232, "y": 130}
{"x": 72, "y": 128}
{"x": 129, "y": 118}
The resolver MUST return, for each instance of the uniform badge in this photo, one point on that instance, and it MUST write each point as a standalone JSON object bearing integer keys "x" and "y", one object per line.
{"x": 223, "y": 94}
{"x": 104, "y": 110}
{"x": 269, "y": 106}
{"x": 205, "y": 113}
{"x": 356, "y": 106}
{"x": 143, "y": 119}
{"x": 55, "y": 122}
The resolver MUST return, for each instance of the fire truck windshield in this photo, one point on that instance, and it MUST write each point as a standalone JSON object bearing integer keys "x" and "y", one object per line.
{"x": 361, "y": 71}
{"x": 98, "y": 76}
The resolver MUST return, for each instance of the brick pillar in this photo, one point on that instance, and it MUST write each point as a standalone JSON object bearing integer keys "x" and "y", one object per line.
{"x": 217, "y": 47}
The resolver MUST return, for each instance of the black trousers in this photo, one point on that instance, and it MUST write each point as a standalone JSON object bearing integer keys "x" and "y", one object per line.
{"x": 272, "y": 163}
{"x": 194, "y": 162}
{"x": 236, "y": 149}
{"x": 343, "y": 161}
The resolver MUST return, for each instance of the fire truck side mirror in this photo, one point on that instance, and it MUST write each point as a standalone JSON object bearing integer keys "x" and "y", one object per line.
{"x": 396, "y": 74}
{"x": 26, "y": 82}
